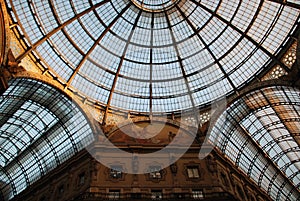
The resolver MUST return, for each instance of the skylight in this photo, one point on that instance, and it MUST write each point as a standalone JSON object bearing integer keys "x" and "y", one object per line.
{"x": 141, "y": 55}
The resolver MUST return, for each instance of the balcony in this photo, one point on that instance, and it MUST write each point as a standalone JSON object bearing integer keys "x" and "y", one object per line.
{"x": 149, "y": 197}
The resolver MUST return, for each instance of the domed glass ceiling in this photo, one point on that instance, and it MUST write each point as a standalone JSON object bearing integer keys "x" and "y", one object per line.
{"x": 155, "y": 56}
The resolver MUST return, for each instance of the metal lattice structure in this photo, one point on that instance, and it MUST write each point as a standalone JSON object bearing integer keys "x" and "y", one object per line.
{"x": 261, "y": 136}
{"x": 155, "y": 56}
{"x": 36, "y": 135}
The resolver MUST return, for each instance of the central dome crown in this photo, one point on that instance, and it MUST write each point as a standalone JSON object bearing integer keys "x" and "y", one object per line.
{"x": 154, "y": 5}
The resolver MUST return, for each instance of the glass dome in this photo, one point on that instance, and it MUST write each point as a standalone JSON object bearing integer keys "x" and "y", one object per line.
{"x": 155, "y": 56}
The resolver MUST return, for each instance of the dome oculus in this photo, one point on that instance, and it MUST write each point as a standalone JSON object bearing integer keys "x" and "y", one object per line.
{"x": 155, "y": 5}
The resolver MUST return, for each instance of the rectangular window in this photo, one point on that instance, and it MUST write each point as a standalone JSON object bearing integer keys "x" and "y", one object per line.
{"x": 116, "y": 171}
{"x": 81, "y": 179}
{"x": 156, "y": 195}
{"x": 43, "y": 198}
{"x": 193, "y": 172}
{"x": 179, "y": 195}
{"x": 61, "y": 191}
{"x": 197, "y": 194}
{"x": 136, "y": 195}
{"x": 155, "y": 172}
{"x": 224, "y": 180}
{"x": 114, "y": 194}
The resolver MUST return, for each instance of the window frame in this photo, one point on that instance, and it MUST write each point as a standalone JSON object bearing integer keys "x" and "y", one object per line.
{"x": 156, "y": 173}
{"x": 193, "y": 172}
{"x": 197, "y": 194}
{"x": 115, "y": 172}
{"x": 155, "y": 193}
{"x": 114, "y": 194}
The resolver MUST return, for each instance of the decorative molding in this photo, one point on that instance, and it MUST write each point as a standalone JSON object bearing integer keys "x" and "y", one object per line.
{"x": 117, "y": 179}
{"x": 162, "y": 172}
{"x": 4, "y": 36}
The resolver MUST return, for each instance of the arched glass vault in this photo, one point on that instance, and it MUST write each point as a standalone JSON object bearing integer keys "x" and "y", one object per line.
{"x": 261, "y": 136}
{"x": 155, "y": 56}
{"x": 39, "y": 129}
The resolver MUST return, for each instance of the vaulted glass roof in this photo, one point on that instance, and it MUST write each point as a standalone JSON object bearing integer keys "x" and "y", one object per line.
{"x": 260, "y": 135}
{"x": 155, "y": 56}
{"x": 36, "y": 135}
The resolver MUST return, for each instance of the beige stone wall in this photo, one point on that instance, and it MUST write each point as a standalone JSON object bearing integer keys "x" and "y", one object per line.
{"x": 4, "y": 36}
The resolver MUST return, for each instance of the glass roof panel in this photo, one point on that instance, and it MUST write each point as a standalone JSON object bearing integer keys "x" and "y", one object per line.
{"x": 64, "y": 10}
{"x": 54, "y": 60}
{"x": 92, "y": 90}
{"x": 245, "y": 14}
{"x": 91, "y": 24}
{"x": 131, "y": 103}
{"x": 133, "y": 87}
{"x": 294, "y": 1}
{"x": 211, "y": 4}
{"x": 48, "y": 21}
{"x": 91, "y": 71}
{"x": 171, "y": 88}
{"x": 139, "y": 71}
{"x": 149, "y": 41}
{"x": 250, "y": 66}
{"x": 226, "y": 40}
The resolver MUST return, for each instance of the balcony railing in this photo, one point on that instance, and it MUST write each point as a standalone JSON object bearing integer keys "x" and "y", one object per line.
{"x": 149, "y": 197}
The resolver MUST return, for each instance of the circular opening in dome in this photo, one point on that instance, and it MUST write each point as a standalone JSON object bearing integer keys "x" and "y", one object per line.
{"x": 155, "y": 5}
